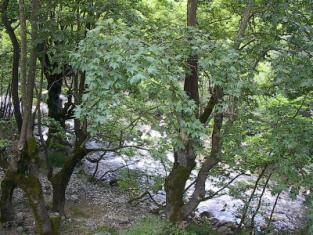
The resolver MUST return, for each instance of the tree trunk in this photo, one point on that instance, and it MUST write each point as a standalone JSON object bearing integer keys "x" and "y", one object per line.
{"x": 32, "y": 187}
{"x": 184, "y": 158}
{"x": 176, "y": 181}
{"x": 61, "y": 179}
{"x": 54, "y": 102}
{"x": 25, "y": 171}
{"x": 7, "y": 211}
{"x": 15, "y": 65}
{"x": 26, "y": 178}
{"x": 199, "y": 192}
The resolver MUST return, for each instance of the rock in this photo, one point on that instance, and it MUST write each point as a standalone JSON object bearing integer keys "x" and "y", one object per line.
{"x": 20, "y": 216}
{"x": 206, "y": 214}
{"x": 74, "y": 198}
{"x": 123, "y": 220}
{"x": 214, "y": 221}
{"x": 221, "y": 223}
{"x": 28, "y": 228}
{"x": 113, "y": 182}
{"x": 19, "y": 229}
{"x": 224, "y": 230}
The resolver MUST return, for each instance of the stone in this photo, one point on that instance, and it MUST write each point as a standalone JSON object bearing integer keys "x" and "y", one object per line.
{"x": 224, "y": 230}
{"x": 20, "y": 216}
{"x": 74, "y": 198}
{"x": 221, "y": 223}
{"x": 214, "y": 221}
{"x": 232, "y": 226}
{"x": 123, "y": 220}
{"x": 206, "y": 214}
{"x": 19, "y": 229}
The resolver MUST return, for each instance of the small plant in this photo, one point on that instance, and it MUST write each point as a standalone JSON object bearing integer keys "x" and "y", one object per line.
{"x": 4, "y": 143}
{"x": 153, "y": 225}
{"x": 104, "y": 229}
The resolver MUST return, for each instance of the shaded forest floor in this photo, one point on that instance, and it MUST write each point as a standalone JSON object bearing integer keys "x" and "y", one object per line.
{"x": 96, "y": 208}
{"x": 90, "y": 207}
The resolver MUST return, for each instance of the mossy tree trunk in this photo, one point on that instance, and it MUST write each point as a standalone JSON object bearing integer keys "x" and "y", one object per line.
{"x": 184, "y": 159}
{"x": 24, "y": 174}
{"x": 7, "y": 210}
{"x": 32, "y": 187}
{"x": 23, "y": 168}
{"x": 177, "y": 209}
{"x": 176, "y": 181}
{"x": 61, "y": 179}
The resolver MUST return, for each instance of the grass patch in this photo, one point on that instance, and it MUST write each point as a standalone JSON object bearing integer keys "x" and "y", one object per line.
{"x": 153, "y": 225}
{"x": 200, "y": 229}
{"x": 105, "y": 228}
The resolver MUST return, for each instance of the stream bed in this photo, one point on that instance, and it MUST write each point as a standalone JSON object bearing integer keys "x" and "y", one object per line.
{"x": 288, "y": 215}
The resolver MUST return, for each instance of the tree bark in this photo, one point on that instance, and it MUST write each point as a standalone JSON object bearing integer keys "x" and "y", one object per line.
{"x": 199, "y": 192}
{"x": 26, "y": 110}
{"x": 26, "y": 178}
{"x": 54, "y": 86}
{"x": 176, "y": 181}
{"x": 32, "y": 187}
{"x": 54, "y": 102}
{"x": 61, "y": 179}
{"x": 15, "y": 64}
{"x": 7, "y": 210}
{"x": 191, "y": 80}
{"x": 184, "y": 158}
{"x": 26, "y": 174}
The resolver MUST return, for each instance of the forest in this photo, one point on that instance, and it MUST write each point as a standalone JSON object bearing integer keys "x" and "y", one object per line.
{"x": 156, "y": 117}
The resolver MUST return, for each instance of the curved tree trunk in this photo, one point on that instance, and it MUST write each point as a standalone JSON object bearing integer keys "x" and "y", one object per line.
{"x": 61, "y": 179}
{"x": 185, "y": 159}
{"x": 15, "y": 64}
{"x": 199, "y": 193}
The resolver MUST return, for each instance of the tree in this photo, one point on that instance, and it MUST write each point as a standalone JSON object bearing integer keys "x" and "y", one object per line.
{"x": 23, "y": 168}
{"x": 15, "y": 63}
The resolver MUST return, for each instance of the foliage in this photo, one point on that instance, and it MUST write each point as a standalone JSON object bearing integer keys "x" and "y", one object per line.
{"x": 104, "y": 229}
{"x": 133, "y": 55}
{"x": 153, "y": 225}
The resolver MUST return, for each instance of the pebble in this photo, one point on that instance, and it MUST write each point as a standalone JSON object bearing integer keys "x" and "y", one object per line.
{"x": 75, "y": 198}
{"x": 19, "y": 229}
{"x": 206, "y": 214}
